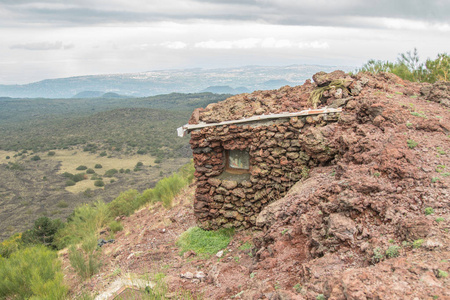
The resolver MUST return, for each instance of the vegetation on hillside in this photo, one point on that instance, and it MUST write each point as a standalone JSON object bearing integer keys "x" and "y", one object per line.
{"x": 408, "y": 66}
{"x": 28, "y": 264}
{"x": 144, "y": 125}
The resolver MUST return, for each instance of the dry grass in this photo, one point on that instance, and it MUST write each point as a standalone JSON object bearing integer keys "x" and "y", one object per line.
{"x": 71, "y": 159}
{"x": 4, "y": 154}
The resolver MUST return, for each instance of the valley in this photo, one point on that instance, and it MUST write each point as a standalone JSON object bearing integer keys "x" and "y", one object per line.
{"x": 56, "y": 154}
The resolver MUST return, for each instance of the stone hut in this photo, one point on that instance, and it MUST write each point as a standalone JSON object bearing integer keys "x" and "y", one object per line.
{"x": 250, "y": 149}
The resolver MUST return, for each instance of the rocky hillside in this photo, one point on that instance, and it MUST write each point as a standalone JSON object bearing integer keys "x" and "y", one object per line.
{"x": 370, "y": 222}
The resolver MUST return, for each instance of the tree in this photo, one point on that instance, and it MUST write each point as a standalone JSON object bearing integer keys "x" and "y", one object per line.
{"x": 43, "y": 231}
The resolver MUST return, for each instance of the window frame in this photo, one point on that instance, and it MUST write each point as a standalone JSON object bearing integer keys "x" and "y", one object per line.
{"x": 236, "y": 170}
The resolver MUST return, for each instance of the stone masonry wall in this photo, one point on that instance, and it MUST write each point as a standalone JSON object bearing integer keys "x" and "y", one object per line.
{"x": 281, "y": 153}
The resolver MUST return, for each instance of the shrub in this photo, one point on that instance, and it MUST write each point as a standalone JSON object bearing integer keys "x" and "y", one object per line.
{"x": 43, "y": 231}
{"x": 78, "y": 177}
{"x": 90, "y": 171}
{"x": 442, "y": 274}
{"x": 429, "y": 211}
{"x": 35, "y": 158}
{"x": 115, "y": 226}
{"x": 139, "y": 164}
{"x": 125, "y": 203}
{"x": 110, "y": 173}
{"x": 203, "y": 241}
{"x": 377, "y": 255}
{"x": 167, "y": 188}
{"x": 70, "y": 182}
{"x": 33, "y": 272}
{"x": 83, "y": 222}
{"x": 411, "y": 144}
{"x": 103, "y": 153}
{"x": 417, "y": 243}
{"x": 392, "y": 251}
{"x": 51, "y": 153}
{"x": 99, "y": 183}
{"x": 81, "y": 168}
{"x": 85, "y": 259}
{"x": 408, "y": 67}
{"x": 7, "y": 157}
{"x": 439, "y": 219}
{"x": 67, "y": 175}
{"x": 10, "y": 245}
{"x": 98, "y": 166}
{"x": 15, "y": 166}
{"x": 62, "y": 204}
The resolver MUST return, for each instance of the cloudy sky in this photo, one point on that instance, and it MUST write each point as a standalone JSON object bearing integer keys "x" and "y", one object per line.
{"x": 43, "y": 39}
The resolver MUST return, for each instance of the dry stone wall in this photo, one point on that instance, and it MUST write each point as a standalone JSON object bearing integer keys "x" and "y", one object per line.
{"x": 281, "y": 153}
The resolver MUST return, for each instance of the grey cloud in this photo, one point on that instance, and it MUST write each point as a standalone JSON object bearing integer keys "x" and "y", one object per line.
{"x": 43, "y": 46}
{"x": 346, "y": 13}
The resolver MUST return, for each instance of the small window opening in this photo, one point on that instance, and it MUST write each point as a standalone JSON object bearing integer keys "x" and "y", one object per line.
{"x": 238, "y": 161}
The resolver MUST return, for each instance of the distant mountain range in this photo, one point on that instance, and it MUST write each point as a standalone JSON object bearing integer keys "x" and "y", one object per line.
{"x": 225, "y": 80}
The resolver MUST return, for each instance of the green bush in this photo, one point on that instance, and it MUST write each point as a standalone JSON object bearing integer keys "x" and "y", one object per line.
{"x": 70, "y": 182}
{"x": 392, "y": 251}
{"x": 167, "y": 188}
{"x": 417, "y": 243}
{"x": 125, "y": 204}
{"x": 15, "y": 166}
{"x": 78, "y": 177}
{"x": 33, "y": 272}
{"x": 139, "y": 164}
{"x": 409, "y": 67}
{"x": 90, "y": 171}
{"x": 203, "y": 241}
{"x": 68, "y": 175}
{"x": 43, "y": 231}
{"x": 110, "y": 173}
{"x": 36, "y": 158}
{"x": 377, "y": 255}
{"x": 99, "y": 183}
{"x": 7, "y": 157}
{"x": 429, "y": 211}
{"x": 85, "y": 259}
{"x": 83, "y": 222}
{"x": 411, "y": 144}
{"x": 98, "y": 166}
{"x": 115, "y": 226}
{"x": 10, "y": 245}
{"x": 51, "y": 153}
{"x": 81, "y": 168}
{"x": 103, "y": 153}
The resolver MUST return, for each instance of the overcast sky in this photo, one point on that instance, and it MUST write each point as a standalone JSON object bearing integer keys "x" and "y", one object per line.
{"x": 55, "y": 38}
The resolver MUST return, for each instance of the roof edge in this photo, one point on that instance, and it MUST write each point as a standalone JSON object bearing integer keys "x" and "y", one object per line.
{"x": 185, "y": 129}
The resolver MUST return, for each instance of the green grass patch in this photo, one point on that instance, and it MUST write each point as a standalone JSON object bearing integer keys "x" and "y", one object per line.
{"x": 246, "y": 246}
{"x": 429, "y": 211}
{"x": 203, "y": 241}
{"x": 417, "y": 243}
{"x": 411, "y": 144}
{"x": 419, "y": 114}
